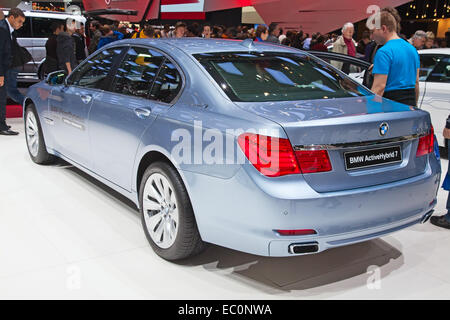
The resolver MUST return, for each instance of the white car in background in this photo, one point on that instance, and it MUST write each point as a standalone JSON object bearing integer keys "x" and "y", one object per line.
{"x": 435, "y": 88}
{"x": 434, "y": 80}
{"x": 33, "y": 36}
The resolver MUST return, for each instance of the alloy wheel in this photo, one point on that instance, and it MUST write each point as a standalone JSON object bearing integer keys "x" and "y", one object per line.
{"x": 32, "y": 133}
{"x": 160, "y": 209}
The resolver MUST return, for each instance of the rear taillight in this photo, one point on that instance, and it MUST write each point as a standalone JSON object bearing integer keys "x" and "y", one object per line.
{"x": 273, "y": 157}
{"x": 303, "y": 232}
{"x": 426, "y": 144}
{"x": 312, "y": 161}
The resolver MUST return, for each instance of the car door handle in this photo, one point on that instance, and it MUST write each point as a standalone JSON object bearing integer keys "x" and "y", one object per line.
{"x": 142, "y": 112}
{"x": 86, "y": 98}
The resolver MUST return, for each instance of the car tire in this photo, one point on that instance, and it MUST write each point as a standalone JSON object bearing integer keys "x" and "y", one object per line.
{"x": 35, "y": 137}
{"x": 167, "y": 216}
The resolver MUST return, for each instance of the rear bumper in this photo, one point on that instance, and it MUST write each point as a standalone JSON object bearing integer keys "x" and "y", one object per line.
{"x": 280, "y": 248}
{"x": 242, "y": 213}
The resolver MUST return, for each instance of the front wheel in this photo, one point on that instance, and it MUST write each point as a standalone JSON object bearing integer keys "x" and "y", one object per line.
{"x": 35, "y": 138}
{"x": 167, "y": 215}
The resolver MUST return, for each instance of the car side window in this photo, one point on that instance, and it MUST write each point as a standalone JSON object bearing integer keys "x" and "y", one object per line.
{"x": 94, "y": 72}
{"x": 137, "y": 72}
{"x": 441, "y": 73}
{"x": 427, "y": 64}
{"x": 41, "y": 27}
{"x": 168, "y": 84}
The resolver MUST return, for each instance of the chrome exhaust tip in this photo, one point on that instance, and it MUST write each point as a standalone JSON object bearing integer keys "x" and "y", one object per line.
{"x": 304, "y": 248}
{"x": 426, "y": 217}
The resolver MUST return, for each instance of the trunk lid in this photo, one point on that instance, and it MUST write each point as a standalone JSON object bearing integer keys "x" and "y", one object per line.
{"x": 351, "y": 126}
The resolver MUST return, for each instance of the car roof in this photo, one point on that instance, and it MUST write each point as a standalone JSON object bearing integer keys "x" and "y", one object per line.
{"x": 193, "y": 46}
{"x": 51, "y": 15}
{"x": 435, "y": 51}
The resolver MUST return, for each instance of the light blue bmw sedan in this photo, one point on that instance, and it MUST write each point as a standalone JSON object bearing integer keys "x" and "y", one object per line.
{"x": 251, "y": 146}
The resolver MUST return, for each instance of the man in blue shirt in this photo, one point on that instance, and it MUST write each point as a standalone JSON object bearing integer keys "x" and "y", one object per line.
{"x": 396, "y": 64}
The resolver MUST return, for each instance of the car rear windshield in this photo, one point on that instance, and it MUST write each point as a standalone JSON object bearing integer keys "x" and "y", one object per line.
{"x": 260, "y": 77}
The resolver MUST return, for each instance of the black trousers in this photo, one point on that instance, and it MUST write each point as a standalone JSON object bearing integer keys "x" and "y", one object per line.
{"x": 448, "y": 170}
{"x": 407, "y": 96}
{"x": 3, "y": 107}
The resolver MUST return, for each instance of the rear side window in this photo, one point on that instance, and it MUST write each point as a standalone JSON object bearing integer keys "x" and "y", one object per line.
{"x": 137, "y": 72}
{"x": 260, "y": 77}
{"x": 168, "y": 83}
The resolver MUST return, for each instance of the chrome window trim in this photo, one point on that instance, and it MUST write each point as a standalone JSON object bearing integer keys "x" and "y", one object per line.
{"x": 354, "y": 145}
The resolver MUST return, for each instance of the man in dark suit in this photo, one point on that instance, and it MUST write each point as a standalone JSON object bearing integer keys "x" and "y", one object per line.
{"x": 13, "y": 21}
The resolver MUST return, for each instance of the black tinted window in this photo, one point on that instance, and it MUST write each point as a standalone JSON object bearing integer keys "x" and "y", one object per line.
{"x": 137, "y": 72}
{"x": 93, "y": 73}
{"x": 41, "y": 27}
{"x": 441, "y": 73}
{"x": 277, "y": 77}
{"x": 168, "y": 84}
{"x": 427, "y": 64}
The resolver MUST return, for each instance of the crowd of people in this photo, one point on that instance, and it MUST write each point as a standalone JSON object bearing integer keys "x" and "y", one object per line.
{"x": 71, "y": 43}
{"x": 272, "y": 33}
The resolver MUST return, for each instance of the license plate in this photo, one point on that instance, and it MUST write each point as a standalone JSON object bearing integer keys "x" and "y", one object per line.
{"x": 373, "y": 157}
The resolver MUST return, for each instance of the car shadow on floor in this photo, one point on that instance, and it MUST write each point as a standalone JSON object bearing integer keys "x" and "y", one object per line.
{"x": 357, "y": 264}
{"x": 338, "y": 269}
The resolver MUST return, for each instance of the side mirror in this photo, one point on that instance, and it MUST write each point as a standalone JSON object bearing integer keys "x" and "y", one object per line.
{"x": 56, "y": 77}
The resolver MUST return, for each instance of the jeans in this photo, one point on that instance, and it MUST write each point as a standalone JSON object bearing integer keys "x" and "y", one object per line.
{"x": 11, "y": 86}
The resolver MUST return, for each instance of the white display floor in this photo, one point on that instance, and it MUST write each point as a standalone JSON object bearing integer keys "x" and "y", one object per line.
{"x": 63, "y": 235}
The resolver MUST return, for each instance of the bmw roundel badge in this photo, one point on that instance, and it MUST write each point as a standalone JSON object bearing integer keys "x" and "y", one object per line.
{"x": 384, "y": 128}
